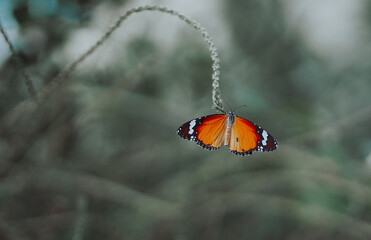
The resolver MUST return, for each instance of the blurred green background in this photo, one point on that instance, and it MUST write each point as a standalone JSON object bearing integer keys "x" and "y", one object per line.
{"x": 99, "y": 158}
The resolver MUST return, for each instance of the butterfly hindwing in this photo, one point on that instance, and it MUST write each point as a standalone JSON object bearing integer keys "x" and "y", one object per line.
{"x": 207, "y": 131}
{"x": 247, "y": 137}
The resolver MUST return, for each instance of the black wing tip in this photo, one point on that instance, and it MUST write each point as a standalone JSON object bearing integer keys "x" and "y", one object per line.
{"x": 179, "y": 132}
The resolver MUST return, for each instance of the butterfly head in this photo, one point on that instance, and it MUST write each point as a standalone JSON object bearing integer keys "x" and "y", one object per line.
{"x": 231, "y": 116}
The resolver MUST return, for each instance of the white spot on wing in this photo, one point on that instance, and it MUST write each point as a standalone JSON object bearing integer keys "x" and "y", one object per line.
{"x": 191, "y": 125}
{"x": 265, "y": 137}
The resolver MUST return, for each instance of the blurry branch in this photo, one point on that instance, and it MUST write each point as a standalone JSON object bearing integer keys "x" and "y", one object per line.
{"x": 216, "y": 95}
{"x": 9, "y": 232}
{"x": 90, "y": 185}
{"x": 63, "y": 219}
{"x": 309, "y": 213}
{"x": 351, "y": 188}
{"x": 211, "y": 169}
{"x": 81, "y": 215}
{"x": 308, "y": 167}
{"x": 338, "y": 125}
{"x": 41, "y": 221}
{"x": 54, "y": 83}
{"x": 28, "y": 81}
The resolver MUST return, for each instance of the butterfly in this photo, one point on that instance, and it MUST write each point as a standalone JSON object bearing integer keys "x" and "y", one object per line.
{"x": 240, "y": 135}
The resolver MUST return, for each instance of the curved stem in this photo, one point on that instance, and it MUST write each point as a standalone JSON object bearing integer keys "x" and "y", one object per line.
{"x": 17, "y": 111}
{"x": 216, "y": 94}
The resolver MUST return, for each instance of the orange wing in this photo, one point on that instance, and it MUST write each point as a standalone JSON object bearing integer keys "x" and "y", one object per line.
{"x": 247, "y": 137}
{"x": 207, "y": 131}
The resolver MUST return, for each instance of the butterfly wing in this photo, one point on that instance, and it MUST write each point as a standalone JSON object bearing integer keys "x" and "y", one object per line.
{"x": 247, "y": 137}
{"x": 207, "y": 131}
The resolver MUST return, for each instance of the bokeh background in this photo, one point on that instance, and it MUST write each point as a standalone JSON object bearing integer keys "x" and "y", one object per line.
{"x": 99, "y": 157}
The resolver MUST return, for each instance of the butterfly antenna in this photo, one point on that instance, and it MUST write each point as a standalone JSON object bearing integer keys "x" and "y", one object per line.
{"x": 239, "y": 107}
{"x": 229, "y": 106}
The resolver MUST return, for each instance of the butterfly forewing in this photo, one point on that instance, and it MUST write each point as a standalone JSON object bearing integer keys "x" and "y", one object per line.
{"x": 207, "y": 131}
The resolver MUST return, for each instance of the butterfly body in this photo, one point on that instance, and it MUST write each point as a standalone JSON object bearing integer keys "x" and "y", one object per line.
{"x": 240, "y": 135}
{"x": 229, "y": 123}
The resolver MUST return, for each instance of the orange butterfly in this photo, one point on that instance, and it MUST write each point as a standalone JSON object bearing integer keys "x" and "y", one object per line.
{"x": 240, "y": 135}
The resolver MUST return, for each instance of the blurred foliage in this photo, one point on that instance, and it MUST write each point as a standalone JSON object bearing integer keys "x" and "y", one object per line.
{"x": 99, "y": 158}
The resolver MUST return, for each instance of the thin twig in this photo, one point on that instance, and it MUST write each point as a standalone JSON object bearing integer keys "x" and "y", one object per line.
{"x": 81, "y": 217}
{"x": 26, "y": 76}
